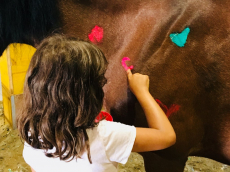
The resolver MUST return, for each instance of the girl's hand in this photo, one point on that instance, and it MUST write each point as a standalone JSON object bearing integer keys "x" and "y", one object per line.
{"x": 138, "y": 83}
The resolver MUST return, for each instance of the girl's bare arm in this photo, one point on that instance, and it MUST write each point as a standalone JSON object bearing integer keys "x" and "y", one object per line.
{"x": 32, "y": 169}
{"x": 160, "y": 133}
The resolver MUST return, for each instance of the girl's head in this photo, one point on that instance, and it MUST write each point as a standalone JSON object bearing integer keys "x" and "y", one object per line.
{"x": 62, "y": 96}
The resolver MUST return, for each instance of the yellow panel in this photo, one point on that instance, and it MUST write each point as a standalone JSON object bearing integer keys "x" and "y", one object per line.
{"x": 4, "y": 70}
{"x": 20, "y": 55}
{"x": 18, "y": 82}
{"x": 7, "y": 109}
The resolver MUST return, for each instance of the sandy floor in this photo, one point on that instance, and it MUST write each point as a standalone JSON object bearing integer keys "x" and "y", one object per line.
{"x": 11, "y": 156}
{"x": 197, "y": 164}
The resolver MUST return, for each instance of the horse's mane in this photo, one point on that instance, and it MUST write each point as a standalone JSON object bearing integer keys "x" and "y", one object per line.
{"x": 27, "y": 21}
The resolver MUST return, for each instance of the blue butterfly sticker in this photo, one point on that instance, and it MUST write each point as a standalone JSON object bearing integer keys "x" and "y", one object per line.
{"x": 180, "y": 38}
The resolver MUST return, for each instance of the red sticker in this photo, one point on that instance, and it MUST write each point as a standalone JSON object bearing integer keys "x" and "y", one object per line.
{"x": 96, "y": 34}
{"x": 104, "y": 115}
{"x": 168, "y": 111}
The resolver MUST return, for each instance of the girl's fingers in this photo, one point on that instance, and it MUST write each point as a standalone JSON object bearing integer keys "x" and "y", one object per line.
{"x": 129, "y": 73}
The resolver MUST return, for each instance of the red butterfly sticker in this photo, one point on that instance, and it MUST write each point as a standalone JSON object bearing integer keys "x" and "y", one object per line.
{"x": 168, "y": 111}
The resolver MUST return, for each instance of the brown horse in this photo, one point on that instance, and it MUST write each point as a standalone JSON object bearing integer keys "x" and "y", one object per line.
{"x": 196, "y": 77}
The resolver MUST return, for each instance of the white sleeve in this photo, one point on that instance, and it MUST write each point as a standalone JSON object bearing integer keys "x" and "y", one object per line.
{"x": 118, "y": 140}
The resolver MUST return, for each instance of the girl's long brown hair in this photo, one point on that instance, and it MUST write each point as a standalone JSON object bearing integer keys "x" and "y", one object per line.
{"x": 62, "y": 96}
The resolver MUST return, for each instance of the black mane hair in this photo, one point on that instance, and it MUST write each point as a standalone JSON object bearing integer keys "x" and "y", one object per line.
{"x": 27, "y": 21}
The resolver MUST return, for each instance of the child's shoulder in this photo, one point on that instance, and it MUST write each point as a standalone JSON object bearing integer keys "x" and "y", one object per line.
{"x": 106, "y": 128}
{"x": 110, "y": 124}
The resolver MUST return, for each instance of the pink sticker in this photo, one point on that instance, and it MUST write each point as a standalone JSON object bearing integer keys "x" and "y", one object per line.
{"x": 124, "y": 64}
{"x": 96, "y": 34}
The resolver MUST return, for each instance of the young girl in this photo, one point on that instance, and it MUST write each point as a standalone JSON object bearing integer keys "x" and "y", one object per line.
{"x": 62, "y": 97}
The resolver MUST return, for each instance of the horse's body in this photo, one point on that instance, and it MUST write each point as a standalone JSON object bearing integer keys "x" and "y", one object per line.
{"x": 196, "y": 77}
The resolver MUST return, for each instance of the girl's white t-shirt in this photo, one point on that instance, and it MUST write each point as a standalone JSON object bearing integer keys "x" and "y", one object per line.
{"x": 110, "y": 143}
